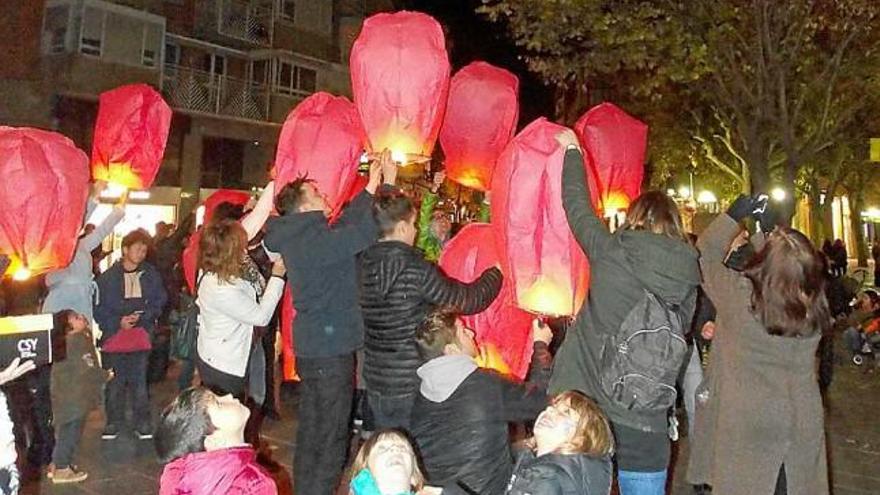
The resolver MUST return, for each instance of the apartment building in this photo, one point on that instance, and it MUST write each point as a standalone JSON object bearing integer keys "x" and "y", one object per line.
{"x": 230, "y": 69}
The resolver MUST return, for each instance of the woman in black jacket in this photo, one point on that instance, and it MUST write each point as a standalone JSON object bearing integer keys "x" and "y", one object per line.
{"x": 398, "y": 289}
{"x": 649, "y": 254}
{"x": 570, "y": 453}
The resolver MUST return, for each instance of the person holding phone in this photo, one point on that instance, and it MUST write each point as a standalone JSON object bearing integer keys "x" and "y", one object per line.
{"x": 131, "y": 298}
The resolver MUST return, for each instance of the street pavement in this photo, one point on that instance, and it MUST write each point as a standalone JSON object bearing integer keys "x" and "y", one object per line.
{"x": 128, "y": 466}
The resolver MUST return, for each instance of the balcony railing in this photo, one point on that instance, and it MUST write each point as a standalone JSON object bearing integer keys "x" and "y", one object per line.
{"x": 202, "y": 91}
{"x": 245, "y": 20}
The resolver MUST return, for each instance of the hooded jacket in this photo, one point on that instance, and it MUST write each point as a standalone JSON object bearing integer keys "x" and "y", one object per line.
{"x": 461, "y": 415}
{"x": 232, "y": 471}
{"x": 321, "y": 268}
{"x": 398, "y": 288}
{"x": 623, "y": 265}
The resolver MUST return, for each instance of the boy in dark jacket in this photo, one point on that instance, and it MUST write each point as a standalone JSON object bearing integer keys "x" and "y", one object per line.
{"x": 398, "y": 288}
{"x": 131, "y": 296}
{"x": 461, "y": 415}
{"x": 77, "y": 382}
{"x": 329, "y": 327}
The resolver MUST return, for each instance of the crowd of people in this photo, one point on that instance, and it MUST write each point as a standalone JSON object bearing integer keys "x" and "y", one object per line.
{"x": 374, "y": 311}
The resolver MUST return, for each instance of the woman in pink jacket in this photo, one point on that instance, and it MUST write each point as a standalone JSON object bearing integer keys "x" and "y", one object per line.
{"x": 201, "y": 437}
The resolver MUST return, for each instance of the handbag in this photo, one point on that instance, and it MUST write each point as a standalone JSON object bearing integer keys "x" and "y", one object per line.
{"x": 126, "y": 340}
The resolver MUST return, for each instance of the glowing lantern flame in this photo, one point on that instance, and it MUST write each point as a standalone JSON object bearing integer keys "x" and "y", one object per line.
{"x": 548, "y": 270}
{"x": 43, "y": 190}
{"x": 546, "y": 297}
{"x": 614, "y": 144}
{"x": 131, "y": 131}
{"x": 480, "y": 120}
{"x": 400, "y": 80}
{"x": 21, "y": 274}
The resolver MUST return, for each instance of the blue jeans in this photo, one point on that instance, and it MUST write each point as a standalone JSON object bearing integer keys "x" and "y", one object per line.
{"x": 641, "y": 483}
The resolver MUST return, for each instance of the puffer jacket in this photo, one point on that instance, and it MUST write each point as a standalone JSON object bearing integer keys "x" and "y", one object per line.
{"x": 398, "y": 288}
{"x": 227, "y": 471}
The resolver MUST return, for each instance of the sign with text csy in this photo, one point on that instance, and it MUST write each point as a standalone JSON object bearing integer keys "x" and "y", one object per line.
{"x": 26, "y": 337}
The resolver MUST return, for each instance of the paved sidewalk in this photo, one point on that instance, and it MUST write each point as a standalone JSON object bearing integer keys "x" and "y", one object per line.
{"x": 127, "y": 466}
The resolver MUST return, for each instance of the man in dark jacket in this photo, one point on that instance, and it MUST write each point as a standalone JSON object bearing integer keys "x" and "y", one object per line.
{"x": 649, "y": 253}
{"x": 461, "y": 415}
{"x": 131, "y": 296}
{"x": 398, "y": 288}
{"x": 329, "y": 327}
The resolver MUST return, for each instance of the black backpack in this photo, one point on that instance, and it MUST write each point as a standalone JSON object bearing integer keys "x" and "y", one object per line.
{"x": 641, "y": 362}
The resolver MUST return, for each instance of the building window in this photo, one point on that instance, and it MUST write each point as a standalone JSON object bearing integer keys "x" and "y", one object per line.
{"x": 287, "y": 9}
{"x": 172, "y": 54}
{"x": 152, "y": 43}
{"x": 92, "y": 34}
{"x": 55, "y": 29}
{"x": 293, "y": 79}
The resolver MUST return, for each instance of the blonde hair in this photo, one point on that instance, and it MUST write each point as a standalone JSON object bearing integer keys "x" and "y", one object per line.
{"x": 363, "y": 455}
{"x": 221, "y": 249}
{"x": 592, "y": 434}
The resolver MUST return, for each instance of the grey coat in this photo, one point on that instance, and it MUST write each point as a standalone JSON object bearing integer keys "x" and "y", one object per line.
{"x": 759, "y": 405}
{"x": 72, "y": 287}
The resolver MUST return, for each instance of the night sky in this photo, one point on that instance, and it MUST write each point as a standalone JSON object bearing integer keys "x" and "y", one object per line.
{"x": 472, "y": 37}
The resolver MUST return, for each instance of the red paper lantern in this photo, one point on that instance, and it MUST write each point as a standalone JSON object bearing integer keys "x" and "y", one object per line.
{"x": 546, "y": 267}
{"x": 400, "y": 79}
{"x": 43, "y": 192}
{"x": 322, "y": 138}
{"x": 502, "y": 325}
{"x": 190, "y": 259}
{"x": 480, "y": 119}
{"x": 130, "y": 135}
{"x": 288, "y": 355}
{"x": 614, "y": 144}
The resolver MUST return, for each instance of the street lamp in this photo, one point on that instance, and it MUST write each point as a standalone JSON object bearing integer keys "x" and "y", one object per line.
{"x": 778, "y": 194}
{"x": 706, "y": 198}
{"x": 684, "y": 192}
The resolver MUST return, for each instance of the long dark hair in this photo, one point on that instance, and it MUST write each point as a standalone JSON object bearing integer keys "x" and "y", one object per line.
{"x": 655, "y": 212}
{"x": 788, "y": 285}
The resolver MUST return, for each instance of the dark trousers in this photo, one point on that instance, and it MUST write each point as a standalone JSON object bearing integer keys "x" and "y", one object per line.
{"x": 128, "y": 384}
{"x": 322, "y": 437}
{"x": 67, "y": 440}
{"x": 388, "y": 411}
{"x": 30, "y": 409}
{"x": 222, "y": 383}
{"x": 187, "y": 369}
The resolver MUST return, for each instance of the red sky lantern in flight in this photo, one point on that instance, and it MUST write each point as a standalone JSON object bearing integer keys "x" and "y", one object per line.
{"x": 322, "y": 138}
{"x": 539, "y": 255}
{"x": 44, "y": 187}
{"x": 480, "y": 119}
{"x": 130, "y": 135}
{"x": 502, "y": 326}
{"x": 614, "y": 143}
{"x": 400, "y": 80}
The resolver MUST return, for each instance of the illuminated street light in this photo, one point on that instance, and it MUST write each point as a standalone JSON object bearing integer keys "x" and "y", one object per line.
{"x": 670, "y": 192}
{"x": 778, "y": 194}
{"x": 706, "y": 197}
{"x": 684, "y": 191}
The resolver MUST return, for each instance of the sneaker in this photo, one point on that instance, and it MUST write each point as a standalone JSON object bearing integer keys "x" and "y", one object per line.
{"x": 144, "y": 435}
{"x": 68, "y": 475}
{"x": 110, "y": 433}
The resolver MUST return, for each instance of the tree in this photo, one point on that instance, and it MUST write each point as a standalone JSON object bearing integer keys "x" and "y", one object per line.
{"x": 763, "y": 87}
